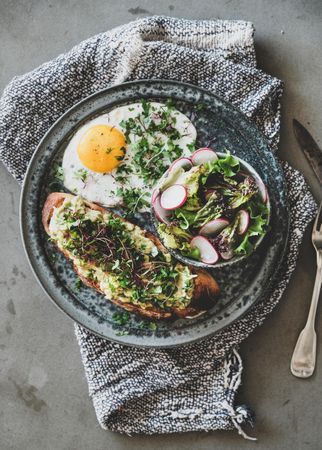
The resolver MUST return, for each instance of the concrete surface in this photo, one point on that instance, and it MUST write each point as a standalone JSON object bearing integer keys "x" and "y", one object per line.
{"x": 43, "y": 394}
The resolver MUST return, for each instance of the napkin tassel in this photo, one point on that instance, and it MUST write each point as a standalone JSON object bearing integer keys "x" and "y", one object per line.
{"x": 242, "y": 413}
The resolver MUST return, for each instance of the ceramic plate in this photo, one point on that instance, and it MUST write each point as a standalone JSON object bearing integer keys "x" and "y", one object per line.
{"x": 240, "y": 287}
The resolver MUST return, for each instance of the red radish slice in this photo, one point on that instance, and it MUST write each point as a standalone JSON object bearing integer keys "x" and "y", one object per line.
{"x": 262, "y": 190}
{"x": 183, "y": 162}
{"x": 202, "y": 156}
{"x": 173, "y": 197}
{"x": 208, "y": 253}
{"x": 243, "y": 221}
{"x": 155, "y": 193}
{"x": 214, "y": 227}
{"x": 227, "y": 255}
{"x": 171, "y": 177}
{"x": 161, "y": 214}
{"x": 208, "y": 193}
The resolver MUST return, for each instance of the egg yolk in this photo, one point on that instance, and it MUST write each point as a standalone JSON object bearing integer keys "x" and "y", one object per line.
{"x": 101, "y": 148}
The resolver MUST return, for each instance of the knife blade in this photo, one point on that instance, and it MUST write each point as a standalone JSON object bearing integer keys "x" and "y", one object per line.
{"x": 309, "y": 147}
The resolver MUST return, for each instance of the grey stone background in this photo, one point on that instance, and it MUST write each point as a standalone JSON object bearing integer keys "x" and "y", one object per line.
{"x": 44, "y": 402}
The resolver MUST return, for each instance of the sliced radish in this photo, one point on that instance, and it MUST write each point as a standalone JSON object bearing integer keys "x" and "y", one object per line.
{"x": 203, "y": 155}
{"x": 262, "y": 190}
{"x": 208, "y": 253}
{"x": 208, "y": 193}
{"x": 243, "y": 221}
{"x": 173, "y": 197}
{"x": 155, "y": 193}
{"x": 171, "y": 177}
{"x": 227, "y": 255}
{"x": 161, "y": 214}
{"x": 183, "y": 162}
{"x": 214, "y": 227}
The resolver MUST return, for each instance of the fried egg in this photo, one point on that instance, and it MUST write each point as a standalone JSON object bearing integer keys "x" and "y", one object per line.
{"x": 114, "y": 152}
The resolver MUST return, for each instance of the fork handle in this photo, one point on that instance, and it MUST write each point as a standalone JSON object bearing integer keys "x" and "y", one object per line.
{"x": 304, "y": 356}
{"x": 316, "y": 290}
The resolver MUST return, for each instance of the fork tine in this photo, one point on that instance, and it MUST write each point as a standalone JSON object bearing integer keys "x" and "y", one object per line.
{"x": 318, "y": 221}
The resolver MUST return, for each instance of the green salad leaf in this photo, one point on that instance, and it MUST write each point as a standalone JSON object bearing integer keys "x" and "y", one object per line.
{"x": 258, "y": 226}
{"x": 227, "y": 166}
{"x": 217, "y": 189}
{"x": 213, "y": 209}
{"x": 241, "y": 193}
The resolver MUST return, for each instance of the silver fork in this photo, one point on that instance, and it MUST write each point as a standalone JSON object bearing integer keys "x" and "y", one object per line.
{"x": 304, "y": 355}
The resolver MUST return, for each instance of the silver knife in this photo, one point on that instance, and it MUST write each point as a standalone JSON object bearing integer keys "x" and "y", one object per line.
{"x": 309, "y": 147}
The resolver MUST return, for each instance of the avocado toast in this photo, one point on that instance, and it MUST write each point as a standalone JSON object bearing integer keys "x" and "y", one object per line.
{"x": 125, "y": 263}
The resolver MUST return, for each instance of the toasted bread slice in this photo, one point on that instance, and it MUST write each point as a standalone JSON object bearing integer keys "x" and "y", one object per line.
{"x": 205, "y": 288}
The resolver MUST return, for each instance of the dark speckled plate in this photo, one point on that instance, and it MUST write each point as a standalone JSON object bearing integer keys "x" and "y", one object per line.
{"x": 240, "y": 287}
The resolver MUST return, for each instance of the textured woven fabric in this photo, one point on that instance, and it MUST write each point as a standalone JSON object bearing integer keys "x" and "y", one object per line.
{"x": 190, "y": 388}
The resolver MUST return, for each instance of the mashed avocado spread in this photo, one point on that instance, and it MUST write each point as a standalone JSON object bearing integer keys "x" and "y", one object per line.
{"x": 118, "y": 257}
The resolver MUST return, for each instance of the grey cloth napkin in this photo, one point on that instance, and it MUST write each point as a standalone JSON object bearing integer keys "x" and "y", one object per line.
{"x": 184, "y": 389}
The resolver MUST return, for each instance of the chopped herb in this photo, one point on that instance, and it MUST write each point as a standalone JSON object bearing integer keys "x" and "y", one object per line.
{"x": 57, "y": 178}
{"x": 155, "y": 143}
{"x": 146, "y": 108}
{"x": 121, "y": 318}
{"x": 147, "y": 325}
{"x": 200, "y": 106}
{"x": 78, "y": 284}
{"x": 122, "y": 333}
{"x": 81, "y": 174}
{"x": 133, "y": 199}
{"x": 192, "y": 146}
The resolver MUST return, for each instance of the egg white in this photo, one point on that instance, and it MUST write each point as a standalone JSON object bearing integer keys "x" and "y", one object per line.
{"x": 102, "y": 188}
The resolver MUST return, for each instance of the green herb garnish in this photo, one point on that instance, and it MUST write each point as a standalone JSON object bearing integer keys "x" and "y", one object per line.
{"x": 78, "y": 284}
{"x": 147, "y": 325}
{"x": 57, "y": 178}
{"x": 121, "y": 318}
{"x": 81, "y": 174}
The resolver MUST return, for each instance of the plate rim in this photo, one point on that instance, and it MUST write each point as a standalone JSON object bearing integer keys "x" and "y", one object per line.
{"x": 30, "y": 255}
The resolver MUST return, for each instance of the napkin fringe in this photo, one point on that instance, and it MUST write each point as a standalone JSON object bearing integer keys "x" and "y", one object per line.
{"x": 232, "y": 379}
